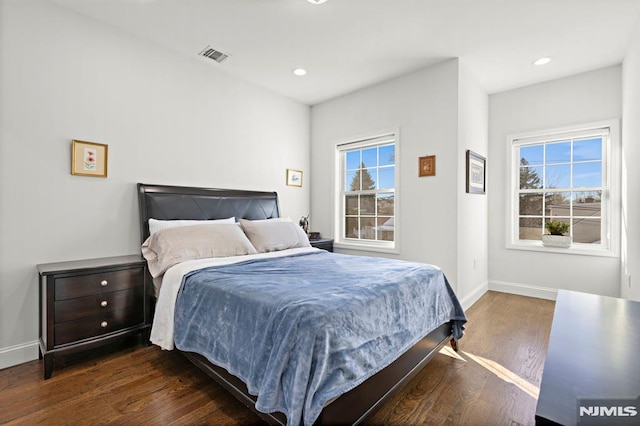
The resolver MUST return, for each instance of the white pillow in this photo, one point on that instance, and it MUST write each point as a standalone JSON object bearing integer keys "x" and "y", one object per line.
{"x": 274, "y": 234}
{"x": 155, "y": 225}
{"x": 170, "y": 246}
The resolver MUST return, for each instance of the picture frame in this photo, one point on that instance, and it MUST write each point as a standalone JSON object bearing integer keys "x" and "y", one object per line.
{"x": 89, "y": 158}
{"x": 476, "y": 173}
{"x": 294, "y": 177}
{"x": 427, "y": 166}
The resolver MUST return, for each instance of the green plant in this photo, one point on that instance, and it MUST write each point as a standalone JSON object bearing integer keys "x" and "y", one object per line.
{"x": 556, "y": 227}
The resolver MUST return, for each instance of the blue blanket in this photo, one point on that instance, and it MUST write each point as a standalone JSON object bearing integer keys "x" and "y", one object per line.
{"x": 302, "y": 330}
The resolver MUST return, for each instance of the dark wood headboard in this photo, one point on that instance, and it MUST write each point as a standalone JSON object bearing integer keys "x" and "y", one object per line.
{"x": 165, "y": 202}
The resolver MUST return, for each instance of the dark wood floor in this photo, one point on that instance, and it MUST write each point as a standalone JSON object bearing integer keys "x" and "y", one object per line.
{"x": 493, "y": 380}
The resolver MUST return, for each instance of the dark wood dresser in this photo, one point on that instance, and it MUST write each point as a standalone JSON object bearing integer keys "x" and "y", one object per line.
{"x": 591, "y": 374}
{"x": 322, "y": 243}
{"x": 89, "y": 303}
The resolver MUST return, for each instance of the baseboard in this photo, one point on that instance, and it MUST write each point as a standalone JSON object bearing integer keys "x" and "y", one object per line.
{"x": 18, "y": 354}
{"x": 524, "y": 289}
{"x": 475, "y": 295}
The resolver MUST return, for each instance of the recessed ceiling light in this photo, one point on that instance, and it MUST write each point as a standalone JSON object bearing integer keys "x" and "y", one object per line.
{"x": 542, "y": 61}
{"x": 316, "y": 1}
{"x": 300, "y": 71}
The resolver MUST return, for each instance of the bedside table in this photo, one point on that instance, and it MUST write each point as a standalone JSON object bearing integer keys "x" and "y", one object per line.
{"x": 89, "y": 303}
{"x": 322, "y": 243}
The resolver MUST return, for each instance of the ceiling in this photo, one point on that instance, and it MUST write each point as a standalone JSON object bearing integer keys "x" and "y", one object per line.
{"x": 346, "y": 45}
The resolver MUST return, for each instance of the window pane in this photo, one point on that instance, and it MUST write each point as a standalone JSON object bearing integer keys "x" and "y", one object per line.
{"x": 351, "y": 205}
{"x": 557, "y": 204}
{"x": 353, "y": 160}
{"x": 387, "y": 155}
{"x": 531, "y": 204}
{"x": 531, "y": 155}
{"x": 386, "y": 178}
{"x": 557, "y": 176}
{"x": 586, "y": 231}
{"x": 370, "y": 157}
{"x": 385, "y": 228}
{"x": 530, "y": 177}
{"x": 369, "y": 178}
{"x": 352, "y": 181}
{"x": 587, "y": 174}
{"x": 351, "y": 227}
{"x": 368, "y": 204}
{"x": 530, "y": 228}
{"x": 360, "y": 177}
{"x": 558, "y": 153}
{"x": 587, "y": 204}
{"x": 368, "y": 228}
{"x": 587, "y": 149}
{"x": 385, "y": 204}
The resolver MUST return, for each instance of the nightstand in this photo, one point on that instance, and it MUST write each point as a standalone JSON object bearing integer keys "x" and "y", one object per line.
{"x": 89, "y": 303}
{"x": 322, "y": 243}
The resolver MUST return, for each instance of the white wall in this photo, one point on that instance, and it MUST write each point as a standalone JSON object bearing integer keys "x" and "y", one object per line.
{"x": 438, "y": 110}
{"x": 588, "y": 97}
{"x": 167, "y": 119}
{"x": 630, "y": 257}
{"x": 423, "y": 106}
{"x": 473, "y": 134}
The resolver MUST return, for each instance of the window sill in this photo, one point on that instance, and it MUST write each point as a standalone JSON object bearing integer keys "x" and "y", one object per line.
{"x": 366, "y": 247}
{"x": 574, "y": 249}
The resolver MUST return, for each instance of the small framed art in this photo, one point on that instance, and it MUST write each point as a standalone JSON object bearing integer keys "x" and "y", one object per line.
{"x": 89, "y": 158}
{"x": 294, "y": 177}
{"x": 427, "y": 166}
{"x": 476, "y": 173}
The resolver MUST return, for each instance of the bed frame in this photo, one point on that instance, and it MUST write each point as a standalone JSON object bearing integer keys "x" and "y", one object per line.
{"x": 176, "y": 202}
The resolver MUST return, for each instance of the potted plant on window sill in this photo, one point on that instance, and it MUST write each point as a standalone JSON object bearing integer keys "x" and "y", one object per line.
{"x": 556, "y": 236}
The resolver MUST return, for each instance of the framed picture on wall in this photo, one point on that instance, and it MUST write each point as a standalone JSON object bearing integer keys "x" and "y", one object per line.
{"x": 476, "y": 173}
{"x": 294, "y": 177}
{"x": 427, "y": 166}
{"x": 89, "y": 158}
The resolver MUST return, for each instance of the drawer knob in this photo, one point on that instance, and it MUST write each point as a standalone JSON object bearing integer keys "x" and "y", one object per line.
{"x": 103, "y": 324}
{"x": 104, "y": 283}
{"x": 104, "y": 303}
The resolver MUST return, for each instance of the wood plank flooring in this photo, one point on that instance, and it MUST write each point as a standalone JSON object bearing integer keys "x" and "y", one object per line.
{"x": 493, "y": 380}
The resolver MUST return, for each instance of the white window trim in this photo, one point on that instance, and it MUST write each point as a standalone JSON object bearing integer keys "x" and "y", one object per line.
{"x": 365, "y": 245}
{"x": 612, "y": 196}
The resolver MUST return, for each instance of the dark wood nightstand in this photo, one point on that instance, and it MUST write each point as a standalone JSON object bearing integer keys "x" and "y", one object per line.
{"x": 322, "y": 243}
{"x": 89, "y": 303}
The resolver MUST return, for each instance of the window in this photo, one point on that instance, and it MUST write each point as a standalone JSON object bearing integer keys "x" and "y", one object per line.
{"x": 564, "y": 176}
{"x": 367, "y": 179}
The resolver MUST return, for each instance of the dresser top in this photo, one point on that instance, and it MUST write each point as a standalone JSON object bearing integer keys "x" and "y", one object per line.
{"x": 592, "y": 355}
{"x": 88, "y": 264}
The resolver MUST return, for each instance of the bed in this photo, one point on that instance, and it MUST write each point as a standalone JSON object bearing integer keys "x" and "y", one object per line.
{"x": 343, "y": 397}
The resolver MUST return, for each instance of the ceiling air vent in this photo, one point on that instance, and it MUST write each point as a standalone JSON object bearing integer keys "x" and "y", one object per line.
{"x": 214, "y": 54}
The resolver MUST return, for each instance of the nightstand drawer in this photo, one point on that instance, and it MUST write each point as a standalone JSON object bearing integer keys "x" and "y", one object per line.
{"x": 73, "y": 309}
{"x": 72, "y": 331}
{"x": 90, "y": 284}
